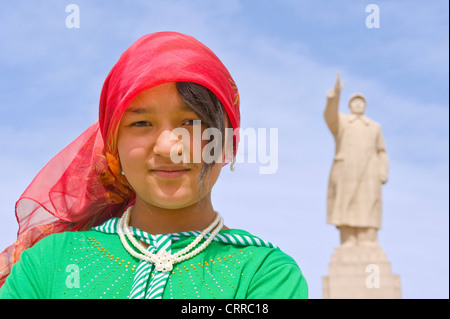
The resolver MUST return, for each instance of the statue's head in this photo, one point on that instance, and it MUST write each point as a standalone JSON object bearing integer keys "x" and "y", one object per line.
{"x": 357, "y": 104}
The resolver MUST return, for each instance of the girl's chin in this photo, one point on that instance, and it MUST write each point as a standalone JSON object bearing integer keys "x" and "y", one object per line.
{"x": 169, "y": 201}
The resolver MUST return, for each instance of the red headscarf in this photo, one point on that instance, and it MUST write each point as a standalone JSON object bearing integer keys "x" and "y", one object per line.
{"x": 82, "y": 186}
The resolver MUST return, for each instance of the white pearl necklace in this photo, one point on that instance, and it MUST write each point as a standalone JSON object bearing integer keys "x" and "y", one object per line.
{"x": 163, "y": 260}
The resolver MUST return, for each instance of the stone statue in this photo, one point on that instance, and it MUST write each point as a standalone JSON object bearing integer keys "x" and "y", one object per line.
{"x": 359, "y": 268}
{"x": 359, "y": 170}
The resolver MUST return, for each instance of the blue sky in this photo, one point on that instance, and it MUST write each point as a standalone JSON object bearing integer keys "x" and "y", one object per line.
{"x": 284, "y": 56}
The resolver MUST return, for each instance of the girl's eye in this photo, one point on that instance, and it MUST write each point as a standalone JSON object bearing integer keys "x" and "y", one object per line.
{"x": 141, "y": 124}
{"x": 192, "y": 122}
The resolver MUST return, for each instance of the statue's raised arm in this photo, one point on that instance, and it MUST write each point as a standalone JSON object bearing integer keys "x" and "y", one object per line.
{"x": 331, "y": 112}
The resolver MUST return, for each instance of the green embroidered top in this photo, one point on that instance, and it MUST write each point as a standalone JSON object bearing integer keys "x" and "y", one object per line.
{"x": 94, "y": 264}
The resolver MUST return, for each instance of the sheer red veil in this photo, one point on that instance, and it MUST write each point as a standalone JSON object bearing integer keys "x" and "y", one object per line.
{"x": 82, "y": 186}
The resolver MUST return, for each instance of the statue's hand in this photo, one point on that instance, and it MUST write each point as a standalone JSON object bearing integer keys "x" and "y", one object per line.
{"x": 331, "y": 94}
{"x": 338, "y": 85}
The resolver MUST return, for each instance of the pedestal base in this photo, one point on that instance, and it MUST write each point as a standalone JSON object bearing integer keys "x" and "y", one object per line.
{"x": 360, "y": 272}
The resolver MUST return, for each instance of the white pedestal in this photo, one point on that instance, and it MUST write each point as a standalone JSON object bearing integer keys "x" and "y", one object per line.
{"x": 360, "y": 272}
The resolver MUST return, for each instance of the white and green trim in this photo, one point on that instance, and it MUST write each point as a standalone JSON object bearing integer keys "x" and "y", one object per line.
{"x": 148, "y": 283}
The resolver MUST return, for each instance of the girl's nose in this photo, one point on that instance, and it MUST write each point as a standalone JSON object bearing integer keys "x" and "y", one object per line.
{"x": 166, "y": 144}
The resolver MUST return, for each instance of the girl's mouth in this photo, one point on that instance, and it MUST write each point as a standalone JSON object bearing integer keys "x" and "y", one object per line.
{"x": 170, "y": 172}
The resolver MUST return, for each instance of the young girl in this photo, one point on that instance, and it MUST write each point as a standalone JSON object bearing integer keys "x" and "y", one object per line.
{"x": 115, "y": 216}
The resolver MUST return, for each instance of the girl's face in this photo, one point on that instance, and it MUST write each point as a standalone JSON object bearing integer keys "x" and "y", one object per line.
{"x": 145, "y": 142}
